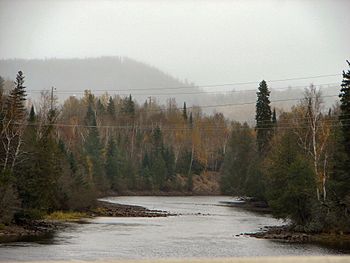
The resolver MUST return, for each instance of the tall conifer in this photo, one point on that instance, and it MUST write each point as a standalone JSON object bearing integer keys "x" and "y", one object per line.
{"x": 263, "y": 118}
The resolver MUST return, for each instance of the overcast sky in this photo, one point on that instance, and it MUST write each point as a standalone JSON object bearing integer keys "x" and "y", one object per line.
{"x": 203, "y": 41}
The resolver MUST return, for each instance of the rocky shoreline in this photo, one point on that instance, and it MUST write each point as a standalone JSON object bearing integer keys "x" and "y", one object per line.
{"x": 287, "y": 234}
{"x": 29, "y": 229}
{"x": 118, "y": 210}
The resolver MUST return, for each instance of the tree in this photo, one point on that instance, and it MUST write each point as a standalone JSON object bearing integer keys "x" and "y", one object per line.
{"x": 1, "y": 92}
{"x": 263, "y": 118}
{"x": 111, "y": 108}
{"x": 93, "y": 150}
{"x": 274, "y": 117}
{"x": 240, "y": 152}
{"x": 339, "y": 182}
{"x": 345, "y": 109}
{"x": 313, "y": 131}
{"x": 191, "y": 120}
{"x": 184, "y": 112}
{"x": 128, "y": 106}
{"x": 290, "y": 180}
{"x": 111, "y": 165}
{"x": 13, "y": 124}
{"x": 169, "y": 159}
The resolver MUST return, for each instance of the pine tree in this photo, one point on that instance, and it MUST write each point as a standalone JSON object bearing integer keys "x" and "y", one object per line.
{"x": 263, "y": 118}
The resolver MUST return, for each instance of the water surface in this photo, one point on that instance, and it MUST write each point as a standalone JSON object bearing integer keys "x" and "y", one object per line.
{"x": 204, "y": 228}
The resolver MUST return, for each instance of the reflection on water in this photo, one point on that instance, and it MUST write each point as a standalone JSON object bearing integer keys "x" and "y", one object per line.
{"x": 204, "y": 228}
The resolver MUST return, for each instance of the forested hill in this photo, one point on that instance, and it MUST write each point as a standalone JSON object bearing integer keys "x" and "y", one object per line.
{"x": 124, "y": 76}
{"x": 104, "y": 73}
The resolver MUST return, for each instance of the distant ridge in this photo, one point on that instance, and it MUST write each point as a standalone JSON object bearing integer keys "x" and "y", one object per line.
{"x": 129, "y": 75}
{"x": 79, "y": 74}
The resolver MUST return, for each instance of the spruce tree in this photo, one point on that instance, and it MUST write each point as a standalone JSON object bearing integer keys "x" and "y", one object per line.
{"x": 111, "y": 108}
{"x": 93, "y": 149}
{"x": 100, "y": 108}
{"x": 274, "y": 117}
{"x": 263, "y": 118}
{"x": 345, "y": 109}
{"x": 15, "y": 108}
{"x": 184, "y": 112}
{"x": 191, "y": 121}
{"x": 112, "y": 163}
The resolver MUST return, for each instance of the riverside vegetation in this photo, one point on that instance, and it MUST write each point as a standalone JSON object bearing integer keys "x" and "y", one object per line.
{"x": 62, "y": 157}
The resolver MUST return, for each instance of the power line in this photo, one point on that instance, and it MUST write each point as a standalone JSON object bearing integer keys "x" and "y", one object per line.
{"x": 217, "y": 85}
{"x": 220, "y": 92}
{"x": 238, "y": 104}
{"x": 327, "y": 123}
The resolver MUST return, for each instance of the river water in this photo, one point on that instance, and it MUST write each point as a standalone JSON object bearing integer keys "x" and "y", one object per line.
{"x": 204, "y": 228}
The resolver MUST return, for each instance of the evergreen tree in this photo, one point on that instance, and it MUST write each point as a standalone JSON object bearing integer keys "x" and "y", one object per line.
{"x": 191, "y": 121}
{"x": 263, "y": 118}
{"x": 339, "y": 182}
{"x": 111, "y": 108}
{"x": 237, "y": 160}
{"x": 32, "y": 118}
{"x": 169, "y": 158}
{"x": 1, "y": 91}
{"x": 290, "y": 181}
{"x": 145, "y": 173}
{"x": 158, "y": 171}
{"x": 345, "y": 109}
{"x": 100, "y": 108}
{"x": 157, "y": 140}
{"x": 93, "y": 150}
{"x": 112, "y": 164}
{"x": 184, "y": 112}
{"x": 129, "y": 106}
{"x": 2, "y": 81}
{"x": 15, "y": 108}
{"x": 274, "y": 117}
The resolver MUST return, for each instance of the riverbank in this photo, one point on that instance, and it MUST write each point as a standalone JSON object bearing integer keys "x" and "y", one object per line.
{"x": 249, "y": 204}
{"x": 25, "y": 229}
{"x": 287, "y": 234}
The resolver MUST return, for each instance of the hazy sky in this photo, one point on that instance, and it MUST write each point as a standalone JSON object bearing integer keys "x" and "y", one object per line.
{"x": 202, "y": 41}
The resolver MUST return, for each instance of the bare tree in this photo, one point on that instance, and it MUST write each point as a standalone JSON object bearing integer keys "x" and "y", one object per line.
{"x": 313, "y": 131}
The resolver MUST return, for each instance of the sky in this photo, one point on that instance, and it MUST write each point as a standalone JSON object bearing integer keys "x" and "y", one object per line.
{"x": 205, "y": 42}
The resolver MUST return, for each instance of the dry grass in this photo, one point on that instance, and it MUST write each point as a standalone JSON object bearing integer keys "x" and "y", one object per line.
{"x": 65, "y": 216}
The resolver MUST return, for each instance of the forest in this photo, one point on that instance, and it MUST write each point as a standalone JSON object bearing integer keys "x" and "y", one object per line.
{"x": 64, "y": 156}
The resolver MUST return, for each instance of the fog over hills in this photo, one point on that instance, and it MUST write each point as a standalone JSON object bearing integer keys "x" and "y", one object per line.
{"x": 123, "y": 76}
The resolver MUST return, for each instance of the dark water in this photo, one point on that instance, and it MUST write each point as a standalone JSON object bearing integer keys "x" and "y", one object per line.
{"x": 205, "y": 228}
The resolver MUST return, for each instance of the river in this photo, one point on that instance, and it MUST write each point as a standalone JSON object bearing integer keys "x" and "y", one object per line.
{"x": 203, "y": 228}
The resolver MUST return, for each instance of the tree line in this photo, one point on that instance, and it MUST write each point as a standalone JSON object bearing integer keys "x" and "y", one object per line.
{"x": 62, "y": 157}
{"x": 298, "y": 162}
